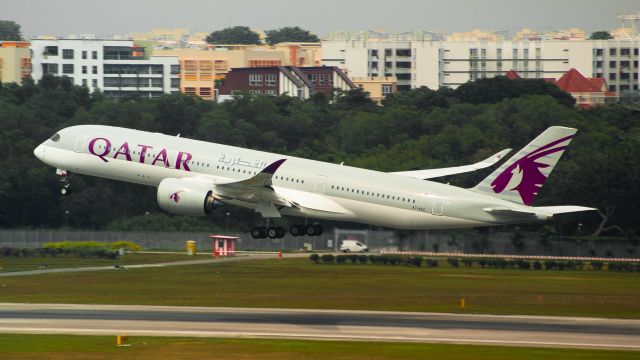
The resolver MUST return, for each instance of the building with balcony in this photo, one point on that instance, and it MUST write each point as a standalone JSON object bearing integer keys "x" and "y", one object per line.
{"x": 301, "y": 82}
{"x": 424, "y": 59}
{"x": 15, "y": 61}
{"x": 116, "y": 67}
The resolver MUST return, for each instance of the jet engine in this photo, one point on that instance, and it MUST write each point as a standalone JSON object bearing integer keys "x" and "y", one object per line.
{"x": 186, "y": 197}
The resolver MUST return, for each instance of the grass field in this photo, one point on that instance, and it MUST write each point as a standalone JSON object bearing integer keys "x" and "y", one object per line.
{"x": 103, "y": 347}
{"x": 298, "y": 283}
{"x": 10, "y": 264}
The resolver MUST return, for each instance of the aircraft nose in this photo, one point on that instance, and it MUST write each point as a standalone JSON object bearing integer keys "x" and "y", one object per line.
{"x": 39, "y": 152}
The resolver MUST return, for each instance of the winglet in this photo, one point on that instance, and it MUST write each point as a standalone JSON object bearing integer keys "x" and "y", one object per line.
{"x": 271, "y": 168}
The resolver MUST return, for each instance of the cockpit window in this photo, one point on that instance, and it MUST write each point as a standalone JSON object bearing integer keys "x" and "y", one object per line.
{"x": 55, "y": 138}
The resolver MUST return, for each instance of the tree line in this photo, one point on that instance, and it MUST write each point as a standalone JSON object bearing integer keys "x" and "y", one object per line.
{"x": 244, "y": 35}
{"x": 416, "y": 129}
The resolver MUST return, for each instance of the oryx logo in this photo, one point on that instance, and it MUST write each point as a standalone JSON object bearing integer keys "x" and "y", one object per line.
{"x": 524, "y": 175}
{"x": 175, "y": 196}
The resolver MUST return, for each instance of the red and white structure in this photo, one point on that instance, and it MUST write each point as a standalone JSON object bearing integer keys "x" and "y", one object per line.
{"x": 224, "y": 245}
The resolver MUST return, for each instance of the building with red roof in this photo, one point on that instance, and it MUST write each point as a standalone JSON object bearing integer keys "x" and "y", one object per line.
{"x": 588, "y": 92}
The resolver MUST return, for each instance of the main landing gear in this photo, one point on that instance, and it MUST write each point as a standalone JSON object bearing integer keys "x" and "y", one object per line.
{"x": 277, "y": 232}
{"x": 271, "y": 232}
{"x": 306, "y": 229}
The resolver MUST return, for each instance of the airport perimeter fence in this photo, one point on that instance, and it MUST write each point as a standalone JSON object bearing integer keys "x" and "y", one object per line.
{"x": 470, "y": 242}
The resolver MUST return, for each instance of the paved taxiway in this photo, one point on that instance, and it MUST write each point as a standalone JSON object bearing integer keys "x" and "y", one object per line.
{"x": 320, "y": 324}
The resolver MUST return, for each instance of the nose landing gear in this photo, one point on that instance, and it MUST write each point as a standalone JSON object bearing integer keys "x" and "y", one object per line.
{"x": 64, "y": 179}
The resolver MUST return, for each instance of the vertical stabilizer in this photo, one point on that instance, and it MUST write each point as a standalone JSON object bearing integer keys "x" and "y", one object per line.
{"x": 520, "y": 178}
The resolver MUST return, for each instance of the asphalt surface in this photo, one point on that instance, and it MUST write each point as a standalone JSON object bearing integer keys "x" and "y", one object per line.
{"x": 542, "y": 331}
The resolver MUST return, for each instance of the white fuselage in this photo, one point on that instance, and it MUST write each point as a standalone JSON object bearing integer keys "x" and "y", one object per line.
{"x": 370, "y": 197}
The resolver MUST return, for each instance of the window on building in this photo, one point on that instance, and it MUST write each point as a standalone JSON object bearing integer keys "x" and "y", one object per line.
{"x": 388, "y": 52}
{"x": 157, "y": 82}
{"x": 386, "y": 89}
{"x": 599, "y": 52}
{"x": 526, "y": 53}
{"x": 50, "y": 51}
{"x": 175, "y": 69}
{"x": 84, "y": 69}
{"x": 612, "y": 76}
{"x": 94, "y": 55}
{"x": 205, "y": 91}
{"x": 613, "y": 52}
{"x": 499, "y": 53}
{"x": 270, "y": 79}
{"x": 403, "y": 64}
{"x": 190, "y": 91}
{"x": 599, "y": 64}
{"x": 67, "y": 68}
{"x": 84, "y": 55}
{"x": 388, "y": 64}
{"x": 175, "y": 82}
{"x": 94, "y": 83}
{"x": 157, "y": 69}
{"x": 624, "y": 64}
{"x": 625, "y": 51}
{"x": 255, "y": 79}
{"x": 94, "y": 69}
{"x": 403, "y": 52}
{"x": 84, "y": 82}
{"x": 271, "y": 92}
{"x": 403, "y": 76}
{"x": 255, "y": 92}
{"x": 473, "y": 53}
{"x": 612, "y": 64}
{"x": 624, "y": 76}
{"x": 483, "y": 53}
{"x": 612, "y": 88}
{"x": 373, "y": 53}
{"x": 67, "y": 53}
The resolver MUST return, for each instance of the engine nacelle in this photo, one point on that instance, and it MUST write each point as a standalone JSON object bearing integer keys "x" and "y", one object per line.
{"x": 184, "y": 197}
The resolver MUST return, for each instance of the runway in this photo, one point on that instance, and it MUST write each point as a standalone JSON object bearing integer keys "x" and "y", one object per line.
{"x": 321, "y": 325}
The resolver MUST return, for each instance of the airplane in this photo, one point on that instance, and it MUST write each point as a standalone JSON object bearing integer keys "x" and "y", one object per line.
{"x": 195, "y": 177}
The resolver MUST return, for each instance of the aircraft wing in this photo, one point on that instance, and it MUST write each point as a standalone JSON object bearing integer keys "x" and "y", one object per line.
{"x": 259, "y": 189}
{"x": 433, "y": 173}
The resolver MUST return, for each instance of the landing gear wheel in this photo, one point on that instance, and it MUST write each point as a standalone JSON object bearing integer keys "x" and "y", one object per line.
{"x": 263, "y": 233}
{"x": 272, "y": 233}
{"x": 280, "y": 232}
{"x": 255, "y": 233}
{"x": 311, "y": 230}
{"x": 296, "y": 230}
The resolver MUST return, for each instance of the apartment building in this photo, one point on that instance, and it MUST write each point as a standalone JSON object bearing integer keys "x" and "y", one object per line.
{"x": 425, "y": 59}
{"x": 15, "y": 61}
{"x": 301, "y": 82}
{"x": 116, "y": 67}
{"x": 201, "y": 68}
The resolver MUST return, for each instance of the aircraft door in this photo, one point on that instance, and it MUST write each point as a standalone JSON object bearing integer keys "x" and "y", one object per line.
{"x": 80, "y": 143}
{"x": 437, "y": 207}
{"x": 321, "y": 182}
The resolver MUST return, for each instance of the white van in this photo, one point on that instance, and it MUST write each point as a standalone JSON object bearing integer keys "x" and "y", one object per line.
{"x": 353, "y": 246}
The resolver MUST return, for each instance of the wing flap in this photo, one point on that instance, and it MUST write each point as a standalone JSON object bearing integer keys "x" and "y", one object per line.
{"x": 433, "y": 173}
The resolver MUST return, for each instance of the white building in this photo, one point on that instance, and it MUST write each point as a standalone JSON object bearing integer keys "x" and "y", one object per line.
{"x": 424, "y": 59}
{"x": 117, "y": 67}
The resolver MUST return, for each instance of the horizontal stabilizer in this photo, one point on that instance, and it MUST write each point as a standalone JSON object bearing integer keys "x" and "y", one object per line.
{"x": 510, "y": 212}
{"x": 433, "y": 173}
{"x": 552, "y": 210}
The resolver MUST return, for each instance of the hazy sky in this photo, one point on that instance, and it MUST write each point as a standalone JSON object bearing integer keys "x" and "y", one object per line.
{"x": 106, "y": 17}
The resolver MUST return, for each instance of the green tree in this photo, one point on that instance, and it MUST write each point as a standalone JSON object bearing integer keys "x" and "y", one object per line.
{"x": 600, "y": 35}
{"x": 10, "y": 30}
{"x": 495, "y": 89}
{"x": 289, "y": 34}
{"x": 234, "y": 35}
